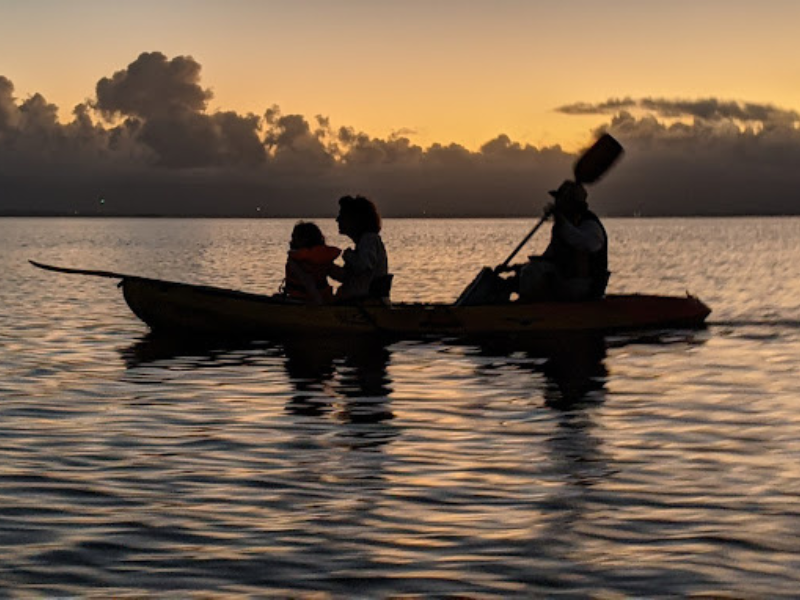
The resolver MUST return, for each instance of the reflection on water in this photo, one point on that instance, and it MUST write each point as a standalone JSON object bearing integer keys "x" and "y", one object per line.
{"x": 346, "y": 379}
{"x": 322, "y": 370}
{"x": 427, "y": 465}
{"x": 611, "y": 467}
{"x": 572, "y": 364}
{"x": 573, "y": 375}
{"x": 354, "y": 370}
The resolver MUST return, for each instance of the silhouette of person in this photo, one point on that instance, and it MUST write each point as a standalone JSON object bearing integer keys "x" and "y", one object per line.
{"x": 575, "y": 264}
{"x": 308, "y": 265}
{"x": 367, "y": 263}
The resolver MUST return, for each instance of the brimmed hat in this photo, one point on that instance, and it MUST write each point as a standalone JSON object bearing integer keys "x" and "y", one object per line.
{"x": 570, "y": 194}
{"x": 570, "y": 190}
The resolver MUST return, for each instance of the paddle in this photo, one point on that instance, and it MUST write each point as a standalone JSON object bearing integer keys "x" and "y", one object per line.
{"x": 589, "y": 168}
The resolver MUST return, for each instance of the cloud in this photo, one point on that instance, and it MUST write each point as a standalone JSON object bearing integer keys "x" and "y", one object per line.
{"x": 165, "y": 101}
{"x": 359, "y": 149}
{"x": 710, "y": 166}
{"x": 153, "y": 86}
{"x": 294, "y": 145}
{"x": 148, "y": 144}
{"x": 706, "y": 156}
{"x": 713, "y": 109}
{"x": 708, "y": 109}
{"x": 191, "y": 140}
{"x": 9, "y": 112}
{"x": 602, "y": 108}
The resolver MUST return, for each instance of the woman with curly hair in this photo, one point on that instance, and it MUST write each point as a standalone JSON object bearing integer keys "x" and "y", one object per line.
{"x": 365, "y": 273}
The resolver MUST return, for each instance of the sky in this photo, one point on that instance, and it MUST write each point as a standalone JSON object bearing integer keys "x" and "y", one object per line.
{"x": 435, "y": 106}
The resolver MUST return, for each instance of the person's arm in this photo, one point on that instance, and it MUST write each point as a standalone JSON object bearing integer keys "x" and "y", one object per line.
{"x": 337, "y": 272}
{"x": 549, "y": 252}
{"x": 507, "y": 268}
{"x": 587, "y": 236}
{"x": 300, "y": 275}
{"x": 364, "y": 257}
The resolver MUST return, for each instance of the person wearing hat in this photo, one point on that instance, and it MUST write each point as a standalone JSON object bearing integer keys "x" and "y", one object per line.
{"x": 575, "y": 264}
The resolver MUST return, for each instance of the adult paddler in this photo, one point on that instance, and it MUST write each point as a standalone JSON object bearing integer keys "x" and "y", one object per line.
{"x": 575, "y": 264}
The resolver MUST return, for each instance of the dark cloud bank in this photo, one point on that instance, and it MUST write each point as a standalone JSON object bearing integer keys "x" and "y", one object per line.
{"x": 146, "y": 144}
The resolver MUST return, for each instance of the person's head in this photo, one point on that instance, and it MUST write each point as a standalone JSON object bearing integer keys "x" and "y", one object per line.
{"x": 570, "y": 199}
{"x": 357, "y": 216}
{"x": 306, "y": 235}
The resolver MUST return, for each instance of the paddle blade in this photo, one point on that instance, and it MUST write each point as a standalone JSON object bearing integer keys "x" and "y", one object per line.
{"x": 598, "y": 159}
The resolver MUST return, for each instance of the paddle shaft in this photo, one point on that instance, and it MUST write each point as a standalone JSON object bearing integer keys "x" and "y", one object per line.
{"x": 523, "y": 242}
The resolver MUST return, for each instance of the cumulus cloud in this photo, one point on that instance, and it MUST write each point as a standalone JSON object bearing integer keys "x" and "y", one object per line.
{"x": 164, "y": 99}
{"x": 359, "y": 149}
{"x": 148, "y": 144}
{"x": 9, "y": 112}
{"x": 154, "y": 86}
{"x": 711, "y": 166}
{"x": 293, "y": 144}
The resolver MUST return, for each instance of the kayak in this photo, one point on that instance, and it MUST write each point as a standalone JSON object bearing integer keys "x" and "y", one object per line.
{"x": 168, "y": 306}
{"x": 173, "y": 307}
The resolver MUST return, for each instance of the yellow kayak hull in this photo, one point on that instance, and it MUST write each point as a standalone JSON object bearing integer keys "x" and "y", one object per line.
{"x": 204, "y": 310}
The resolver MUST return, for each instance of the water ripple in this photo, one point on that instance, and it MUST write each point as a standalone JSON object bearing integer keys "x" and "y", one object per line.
{"x": 620, "y": 466}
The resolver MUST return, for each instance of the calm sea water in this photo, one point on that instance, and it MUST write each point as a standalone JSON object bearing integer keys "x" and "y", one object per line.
{"x": 618, "y": 466}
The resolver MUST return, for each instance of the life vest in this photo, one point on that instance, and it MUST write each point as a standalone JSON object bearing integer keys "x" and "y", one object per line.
{"x": 572, "y": 262}
{"x": 316, "y": 262}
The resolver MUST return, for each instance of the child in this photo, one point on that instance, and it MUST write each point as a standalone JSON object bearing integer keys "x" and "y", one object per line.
{"x": 308, "y": 265}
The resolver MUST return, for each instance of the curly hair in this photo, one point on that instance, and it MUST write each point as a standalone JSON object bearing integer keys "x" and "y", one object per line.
{"x": 363, "y": 212}
{"x": 308, "y": 234}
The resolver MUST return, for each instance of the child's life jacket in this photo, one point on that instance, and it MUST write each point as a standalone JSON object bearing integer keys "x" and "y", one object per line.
{"x": 316, "y": 263}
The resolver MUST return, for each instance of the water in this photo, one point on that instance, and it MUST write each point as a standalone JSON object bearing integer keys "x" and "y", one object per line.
{"x": 657, "y": 466}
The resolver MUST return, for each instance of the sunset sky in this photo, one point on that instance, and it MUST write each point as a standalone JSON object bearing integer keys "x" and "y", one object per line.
{"x": 446, "y": 70}
{"x": 543, "y": 72}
